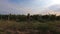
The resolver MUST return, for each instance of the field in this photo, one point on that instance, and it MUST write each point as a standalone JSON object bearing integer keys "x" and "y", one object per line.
{"x": 29, "y": 24}
{"x": 32, "y": 27}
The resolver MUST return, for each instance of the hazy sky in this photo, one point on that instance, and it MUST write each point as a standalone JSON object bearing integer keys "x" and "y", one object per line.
{"x": 25, "y": 6}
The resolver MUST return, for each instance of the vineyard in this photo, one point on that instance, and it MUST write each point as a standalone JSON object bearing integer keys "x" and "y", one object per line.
{"x": 29, "y": 24}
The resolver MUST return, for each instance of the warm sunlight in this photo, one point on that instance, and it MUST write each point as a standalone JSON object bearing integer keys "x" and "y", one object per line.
{"x": 56, "y": 1}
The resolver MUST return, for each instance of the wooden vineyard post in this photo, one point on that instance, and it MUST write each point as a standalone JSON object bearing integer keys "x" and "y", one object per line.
{"x": 29, "y": 24}
{"x": 8, "y": 18}
{"x": 28, "y": 18}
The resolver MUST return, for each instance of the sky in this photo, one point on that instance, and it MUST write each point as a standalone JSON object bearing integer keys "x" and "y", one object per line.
{"x": 26, "y": 6}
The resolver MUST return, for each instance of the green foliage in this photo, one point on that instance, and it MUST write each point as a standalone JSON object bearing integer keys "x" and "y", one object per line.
{"x": 41, "y": 18}
{"x": 36, "y": 22}
{"x": 8, "y": 32}
{"x": 13, "y": 25}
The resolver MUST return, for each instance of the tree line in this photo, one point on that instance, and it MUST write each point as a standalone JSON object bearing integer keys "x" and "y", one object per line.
{"x": 40, "y": 18}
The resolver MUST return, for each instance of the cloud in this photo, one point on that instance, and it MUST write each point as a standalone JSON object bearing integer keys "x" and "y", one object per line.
{"x": 23, "y": 6}
{"x": 55, "y": 7}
